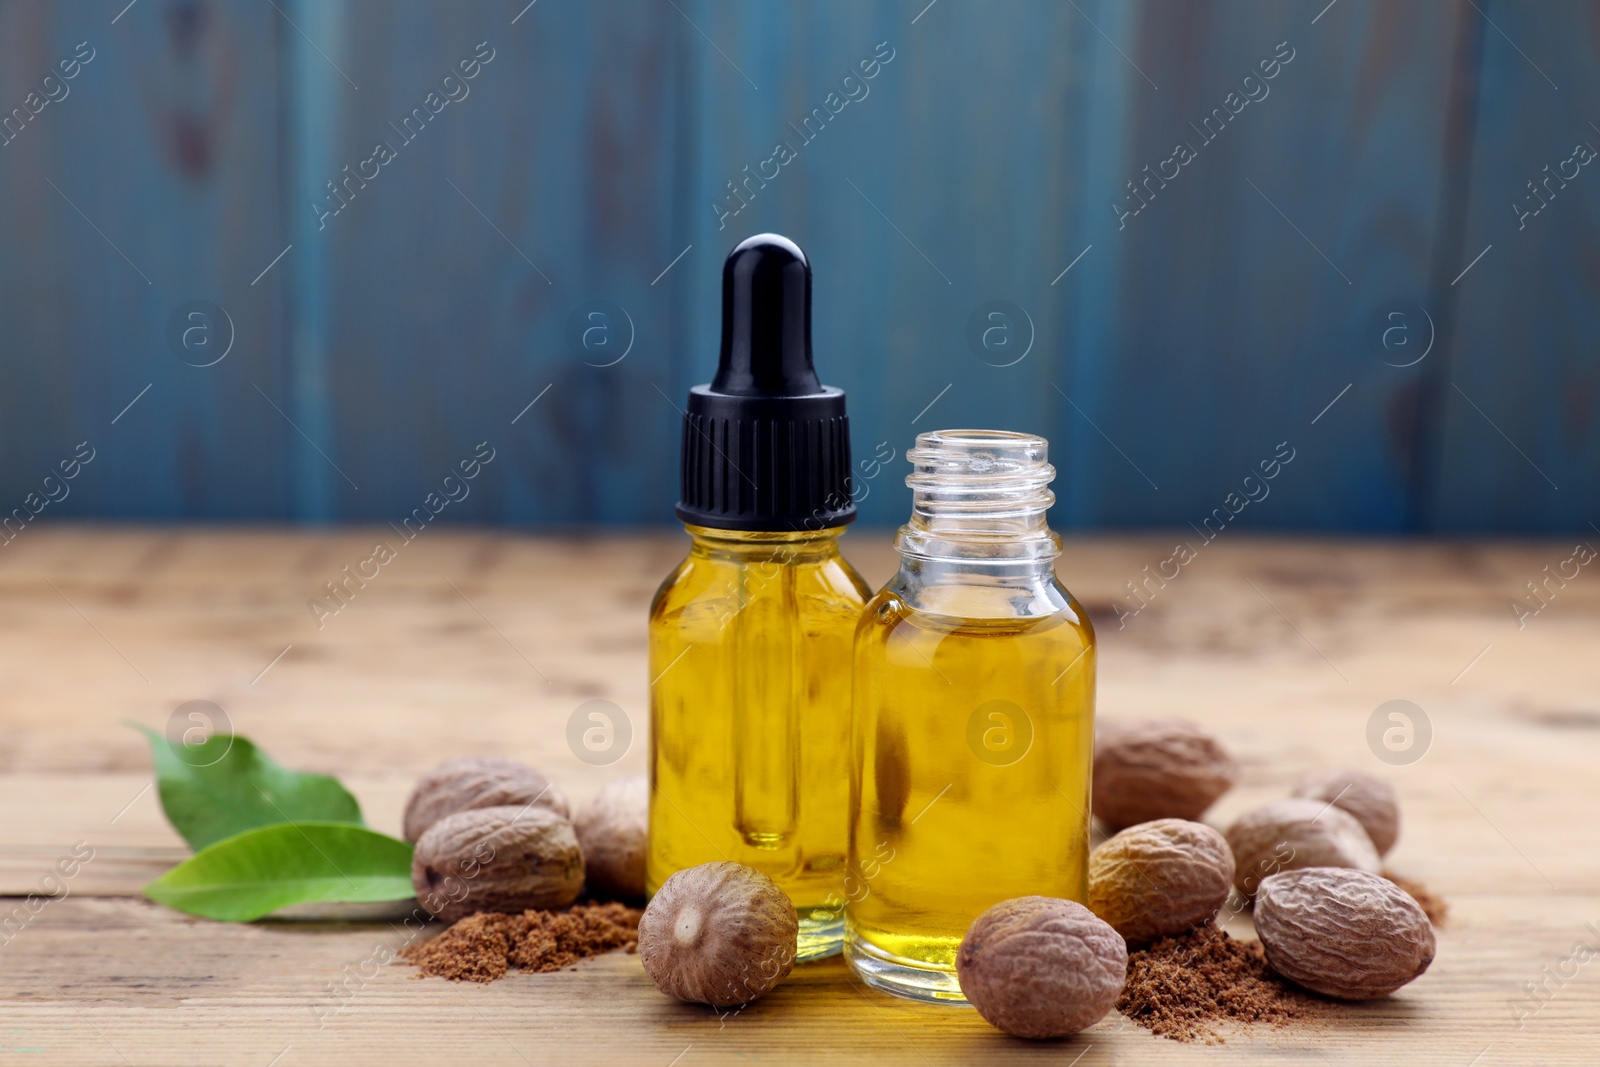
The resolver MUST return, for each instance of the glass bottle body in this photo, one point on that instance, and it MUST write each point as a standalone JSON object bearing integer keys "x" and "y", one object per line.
{"x": 973, "y": 744}
{"x": 750, "y": 653}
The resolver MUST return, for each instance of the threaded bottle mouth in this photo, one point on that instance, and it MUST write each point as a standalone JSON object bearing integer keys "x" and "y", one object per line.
{"x": 979, "y": 494}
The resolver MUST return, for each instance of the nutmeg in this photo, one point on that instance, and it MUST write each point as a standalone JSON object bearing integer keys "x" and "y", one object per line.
{"x": 1041, "y": 966}
{"x": 1150, "y": 769}
{"x": 613, "y": 831}
{"x": 503, "y": 859}
{"x": 1294, "y": 833}
{"x": 1369, "y": 798}
{"x": 719, "y": 934}
{"x": 1158, "y": 879}
{"x": 1342, "y": 933}
{"x": 477, "y": 782}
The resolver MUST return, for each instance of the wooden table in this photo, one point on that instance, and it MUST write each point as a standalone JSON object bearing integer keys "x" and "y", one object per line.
{"x": 486, "y": 642}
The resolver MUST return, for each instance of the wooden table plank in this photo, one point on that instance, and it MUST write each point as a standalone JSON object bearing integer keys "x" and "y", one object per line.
{"x": 162, "y": 988}
{"x": 412, "y": 670}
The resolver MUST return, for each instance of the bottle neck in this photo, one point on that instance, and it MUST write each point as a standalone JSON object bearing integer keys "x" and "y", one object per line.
{"x": 765, "y": 546}
{"x": 979, "y": 499}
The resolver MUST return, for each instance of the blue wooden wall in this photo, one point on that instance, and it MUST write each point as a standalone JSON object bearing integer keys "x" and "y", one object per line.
{"x": 1333, "y": 270}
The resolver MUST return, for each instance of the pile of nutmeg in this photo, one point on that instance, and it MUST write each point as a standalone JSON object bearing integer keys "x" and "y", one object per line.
{"x": 494, "y": 835}
{"x": 1327, "y": 919}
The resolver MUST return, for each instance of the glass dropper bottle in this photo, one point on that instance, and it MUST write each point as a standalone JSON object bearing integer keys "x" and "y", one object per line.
{"x": 750, "y": 636}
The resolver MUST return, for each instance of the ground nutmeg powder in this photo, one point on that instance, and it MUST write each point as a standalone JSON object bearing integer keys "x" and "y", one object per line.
{"x": 484, "y": 946}
{"x": 1183, "y": 987}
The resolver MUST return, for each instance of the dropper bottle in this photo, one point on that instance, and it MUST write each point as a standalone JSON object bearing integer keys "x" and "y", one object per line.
{"x": 750, "y": 637}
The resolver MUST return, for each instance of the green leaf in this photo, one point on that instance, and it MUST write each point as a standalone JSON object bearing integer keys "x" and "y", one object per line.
{"x": 225, "y": 785}
{"x": 259, "y": 871}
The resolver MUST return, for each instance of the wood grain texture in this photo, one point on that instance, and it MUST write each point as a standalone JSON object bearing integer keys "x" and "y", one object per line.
{"x": 474, "y": 643}
{"x": 114, "y": 981}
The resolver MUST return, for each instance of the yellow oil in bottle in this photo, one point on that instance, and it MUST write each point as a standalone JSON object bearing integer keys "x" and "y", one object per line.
{"x": 750, "y": 658}
{"x": 973, "y": 722}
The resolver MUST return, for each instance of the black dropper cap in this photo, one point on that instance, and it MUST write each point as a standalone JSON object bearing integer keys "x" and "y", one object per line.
{"x": 766, "y": 446}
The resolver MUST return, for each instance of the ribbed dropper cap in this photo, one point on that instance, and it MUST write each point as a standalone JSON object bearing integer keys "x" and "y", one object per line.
{"x": 766, "y": 446}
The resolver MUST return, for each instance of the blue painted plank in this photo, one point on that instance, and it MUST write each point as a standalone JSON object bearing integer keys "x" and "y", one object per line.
{"x": 1520, "y": 441}
{"x": 1234, "y": 285}
{"x": 150, "y": 183}
{"x": 461, "y": 275}
{"x": 316, "y": 93}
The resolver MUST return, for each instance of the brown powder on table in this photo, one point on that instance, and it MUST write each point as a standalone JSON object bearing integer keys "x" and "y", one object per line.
{"x": 1183, "y": 987}
{"x": 1432, "y": 904}
{"x": 483, "y": 947}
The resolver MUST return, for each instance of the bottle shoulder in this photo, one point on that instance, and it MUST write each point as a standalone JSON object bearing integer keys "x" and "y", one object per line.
{"x": 825, "y": 585}
{"x": 1035, "y": 604}
{"x": 670, "y": 588}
